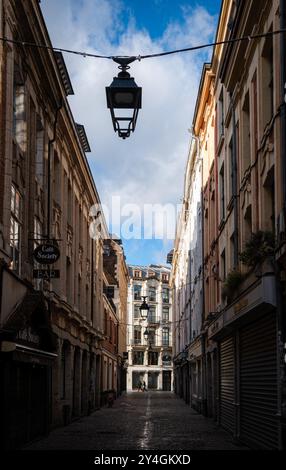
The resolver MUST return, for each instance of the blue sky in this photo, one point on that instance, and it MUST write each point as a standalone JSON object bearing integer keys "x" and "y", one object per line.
{"x": 149, "y": 166}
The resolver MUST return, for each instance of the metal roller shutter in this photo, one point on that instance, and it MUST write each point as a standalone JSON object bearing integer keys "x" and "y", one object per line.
{"x": 227, "y": 384}
{"x": 258, "y": 384}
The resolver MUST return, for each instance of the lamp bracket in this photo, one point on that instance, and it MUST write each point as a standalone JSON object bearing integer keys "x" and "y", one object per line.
{"x": 124, "y": 62}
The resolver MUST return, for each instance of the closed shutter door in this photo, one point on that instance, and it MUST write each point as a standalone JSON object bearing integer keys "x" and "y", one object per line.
{"x": 258, "y": 384}
{"x": 227, "y": 384}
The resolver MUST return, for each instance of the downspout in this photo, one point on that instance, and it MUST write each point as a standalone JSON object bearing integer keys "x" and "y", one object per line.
{"x": 92, "y": 282}
{"x": 281, "y": 301}
{"x": 234, "y": 185}
{"x": 203, "y": 339}
{"x": 283, "y": 99}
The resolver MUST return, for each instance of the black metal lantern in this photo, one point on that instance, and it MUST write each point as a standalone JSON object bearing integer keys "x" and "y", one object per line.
{"x": 123, "y": 93}
{"x": 146, "y": 334}
{"x": 144, "y": 309}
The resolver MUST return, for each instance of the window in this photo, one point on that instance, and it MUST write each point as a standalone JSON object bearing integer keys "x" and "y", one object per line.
{"x": 69, "y": 211}
{"x": 136, "y": 311}
{"x": 152, "y": 358}
{"x": 79, "y": 293}
{"x": 57, "y": 179}
{"x": 87, "y": 311}
{"x": 138, "y": 358}
{"x": 165, "y": 277}
{"x": 19, "y": 120}
{"x": 268, "y": 195}
{"x": 267, "y": 81}
{"x": 165, "y": 295}
{"x": 222, "y": 193}
{"x": 152, "y": 336}
{"x": 166, "y": 359}
{"x": 38, "y": 231}
{"x": 152, "y": 294}
{"x": 15, "y": 228}
{"x": 39, "y": 162}
{"x": 165, "y": 313}
{"x": 105, "y": 322}
{"x": 248, "y": 223}
{"x": 152, "y": 315}
{"x": 222, "y": 266}
{"x": 137, "y": 292}
{"x": 63, "y": 371}
{"x": 165, "y": 336}
{"x": 246, "y": 156}
{"x": 231, "y": 169}
{"x": 232, "y": 252}
{"x": 137, "y": 334}
{"x": 221, "y": 115}
{"x": 68, "y": 279}
{"x": 137, "y": 274}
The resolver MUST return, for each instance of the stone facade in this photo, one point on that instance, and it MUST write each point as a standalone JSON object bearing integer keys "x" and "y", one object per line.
{"x": 149, "y": 359}
{"x": 51, "y": 329}
{"x": 238, "y": 123}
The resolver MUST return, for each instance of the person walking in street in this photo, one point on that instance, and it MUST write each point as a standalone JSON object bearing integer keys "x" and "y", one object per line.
{"x": 144, "y": 386}
{"x": 139, "y": 386}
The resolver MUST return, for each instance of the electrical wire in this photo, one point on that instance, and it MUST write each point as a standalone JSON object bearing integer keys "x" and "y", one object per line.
{"x": 146, "y": 56}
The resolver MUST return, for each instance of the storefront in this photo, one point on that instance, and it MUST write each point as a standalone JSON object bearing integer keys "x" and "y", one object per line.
{"x": 27, "y": 354}
{"x": 248, "y": 373}
{"x": 195, "y": 359}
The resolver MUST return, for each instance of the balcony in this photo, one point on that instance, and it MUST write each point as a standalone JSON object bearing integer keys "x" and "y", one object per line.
{"x": 138, "y": 343}
{"x": 166, "y": 363}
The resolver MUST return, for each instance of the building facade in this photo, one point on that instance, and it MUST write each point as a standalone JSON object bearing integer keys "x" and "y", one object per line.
{"x": 243, "y": 193}
{"x": 115, "y": 319}
{"x": 52, "y": 330}
{"x": 149, "y": 355}
{"x": 187, "y": 284}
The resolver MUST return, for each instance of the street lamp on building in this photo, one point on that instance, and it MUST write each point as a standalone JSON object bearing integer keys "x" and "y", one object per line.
{"x": 123, "y": 93}
{"x": 146, "y": 334}
{"x": 144, "y": 309}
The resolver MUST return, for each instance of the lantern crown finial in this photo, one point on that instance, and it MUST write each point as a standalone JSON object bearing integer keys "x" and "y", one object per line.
{"x": 123, "y": 93}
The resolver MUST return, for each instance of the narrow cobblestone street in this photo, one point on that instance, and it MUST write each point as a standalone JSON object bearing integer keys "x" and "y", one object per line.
{"x": 138, "y": 421}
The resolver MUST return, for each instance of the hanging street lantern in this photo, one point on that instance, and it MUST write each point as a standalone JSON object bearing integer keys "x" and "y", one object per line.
{"x": 124, "y": 94}
{"x": 144, "y": 309}
{"x": 146, "y": 334}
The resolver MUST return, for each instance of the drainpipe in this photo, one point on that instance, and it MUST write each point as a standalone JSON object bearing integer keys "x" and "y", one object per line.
{"x": 283, "y": 99}
{"x": 234, "y": 185}
{"x": 280, "y": 286}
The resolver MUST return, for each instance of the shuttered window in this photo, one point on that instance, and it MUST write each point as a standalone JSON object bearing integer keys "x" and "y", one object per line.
{"x": 258, "y": 384}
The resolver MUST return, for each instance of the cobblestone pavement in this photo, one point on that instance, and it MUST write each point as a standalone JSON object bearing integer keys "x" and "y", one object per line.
{"x": 138, "y": 421}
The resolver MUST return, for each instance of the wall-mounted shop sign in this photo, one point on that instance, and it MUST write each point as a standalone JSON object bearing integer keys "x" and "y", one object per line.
{"x": 46, "y": 273}
{"x": 46, "y": 253}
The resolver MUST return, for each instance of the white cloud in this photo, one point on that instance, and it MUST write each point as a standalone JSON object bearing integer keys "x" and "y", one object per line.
{"x": 149, "y": 166}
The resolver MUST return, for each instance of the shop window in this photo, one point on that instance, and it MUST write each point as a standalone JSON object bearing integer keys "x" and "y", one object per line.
{"x": 15, "y": 228}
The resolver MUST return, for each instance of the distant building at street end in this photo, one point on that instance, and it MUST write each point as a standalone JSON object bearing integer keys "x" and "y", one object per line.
{"x": 149, "y": 342}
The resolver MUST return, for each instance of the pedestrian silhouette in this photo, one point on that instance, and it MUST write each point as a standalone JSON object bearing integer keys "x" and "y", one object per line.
{"x": 144, "y": 386}
{"x": 139, "y": 386}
